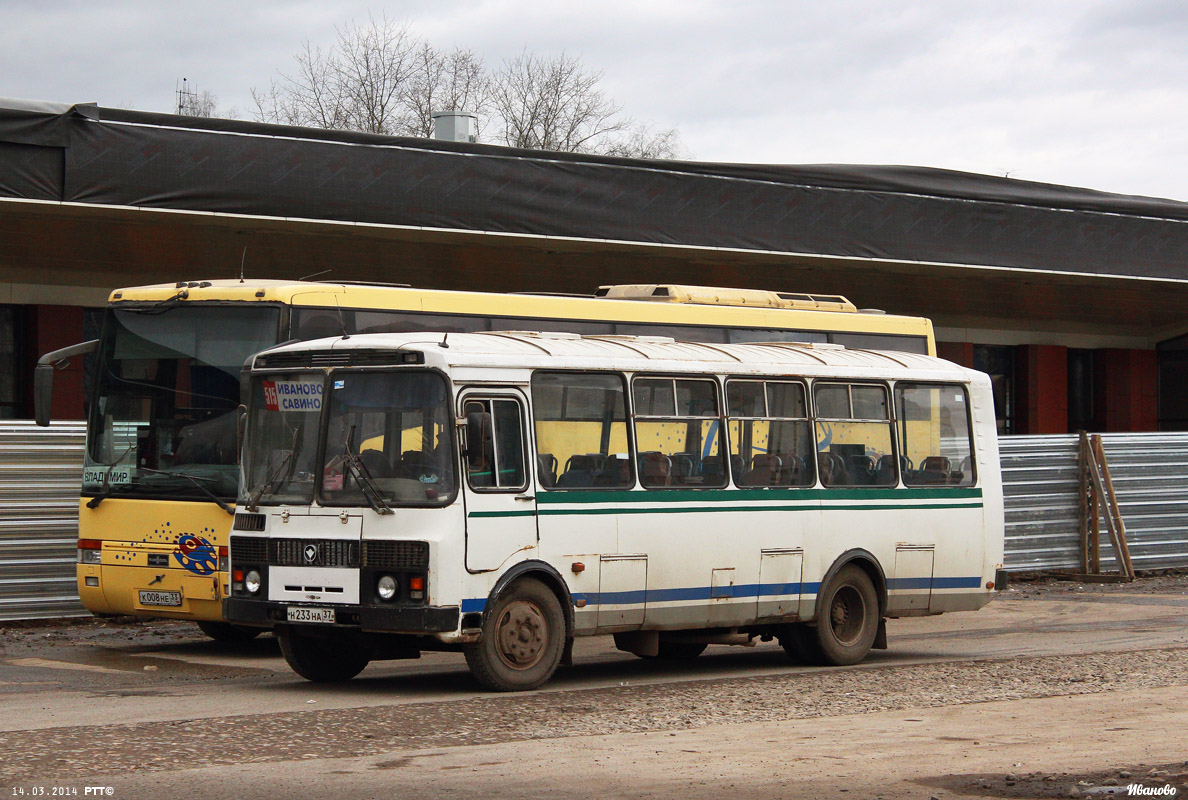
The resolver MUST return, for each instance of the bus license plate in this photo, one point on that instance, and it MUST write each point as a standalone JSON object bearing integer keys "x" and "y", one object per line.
{"x": 148, "y": 598}
{"x": 311, "y": 614}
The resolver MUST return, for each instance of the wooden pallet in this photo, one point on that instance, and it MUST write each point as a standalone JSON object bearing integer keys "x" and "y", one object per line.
{"x": 1099, "y": 501}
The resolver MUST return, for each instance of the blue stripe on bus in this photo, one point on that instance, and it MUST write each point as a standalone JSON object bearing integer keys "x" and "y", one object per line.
{"x": 934, "y": 583}
{"x": 743, "y": 591}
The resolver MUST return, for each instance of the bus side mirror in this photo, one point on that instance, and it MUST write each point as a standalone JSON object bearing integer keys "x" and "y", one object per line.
{"x": 478, "y": 439}
{"x": 43, "y": 377}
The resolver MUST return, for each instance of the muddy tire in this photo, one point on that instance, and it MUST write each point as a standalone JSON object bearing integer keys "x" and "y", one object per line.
{"x": 847, "y": 622}
{"x": 800, "y": 643}
{"x": 523, "y": 639}
{"x": 228, "y": 633}
{"x": 329, "y": 660}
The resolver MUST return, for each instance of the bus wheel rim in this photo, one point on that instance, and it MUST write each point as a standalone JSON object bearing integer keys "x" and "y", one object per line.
{"x": 521, "y": 635}
{"x": 846, "y": 615}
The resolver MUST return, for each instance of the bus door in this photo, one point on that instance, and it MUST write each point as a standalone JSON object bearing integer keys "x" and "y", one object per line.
{"x": 498, "y": 492}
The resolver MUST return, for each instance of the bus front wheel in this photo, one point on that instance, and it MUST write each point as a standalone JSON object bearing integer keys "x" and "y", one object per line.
{"x": 329, "y": 660}
{"x": 523, "y": 639}
{"x": 847, "y": 622}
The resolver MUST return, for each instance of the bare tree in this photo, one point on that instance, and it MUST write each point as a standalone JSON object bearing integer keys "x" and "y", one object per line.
{"x": 193, "y": 103}
{"x": 359, "y": 84}
{"x": 552, "y": 104}
{"x": 642, "y": 141}
{"x": 310, "y": 97}
{"x": 455, "y": 81}
{"x": 380, "y": 78}
{"x": 206, "y": 105}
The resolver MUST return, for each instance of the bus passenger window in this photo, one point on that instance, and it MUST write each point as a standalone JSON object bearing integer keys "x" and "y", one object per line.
{"x": 770, "y": 439}
{"x": 502, "y": 464}
{"x": 934, "y": 433}
{"x": 678, "y": 433}
{"x": 580, "y": 422}
{"x": 853, "y": 426}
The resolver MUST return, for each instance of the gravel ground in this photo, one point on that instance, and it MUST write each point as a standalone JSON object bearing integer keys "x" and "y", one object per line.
{"x": 66, "y": 753}
{"x": 1103, "y": 783}
{"x": 1168, "y": 581}
{"x": 72, "y": 752}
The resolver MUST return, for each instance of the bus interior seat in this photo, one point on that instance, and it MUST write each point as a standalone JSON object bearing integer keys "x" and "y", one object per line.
{"x": 547, "y": 467}
{"x": 376, "y": 463}
{"x": 410, "y": 464}
{"x": 885, "y": 471}
{"x": 793, "y": 471}
{"x": 615, "y": 472}
{"x": 862, "y": 470}
{"x": 833, "y": 470}
{"x": 581, "y": 470}
{"x": 933, "y": 470}
{"x": 711, "y": 470}
{"x": 211, "y": 441}
{"x": 765, "y": 470}
{"x": 965, "y": 474}
{"x": 655, "y": 468}
{"x": 585, "y": 462}
{"x": 684, "y": 468}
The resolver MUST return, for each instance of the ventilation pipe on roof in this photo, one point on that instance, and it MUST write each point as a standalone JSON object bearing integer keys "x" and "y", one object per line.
{"x": 455, "y": 126}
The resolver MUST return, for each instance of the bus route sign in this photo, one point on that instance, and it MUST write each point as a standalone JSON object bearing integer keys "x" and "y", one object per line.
{"x": 303, "y": 395}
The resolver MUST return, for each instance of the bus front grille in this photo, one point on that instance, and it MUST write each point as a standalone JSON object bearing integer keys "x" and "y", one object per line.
{"x": 396, "y": 555}
{"x": 249, "y": 549}
{"x": 248, "y": 522}
{"x": 313, "y": 553}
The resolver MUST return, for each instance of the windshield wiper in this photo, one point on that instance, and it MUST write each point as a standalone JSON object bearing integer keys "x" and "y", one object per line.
{"x": 161, "y": 306}
{"x": 253, "y": 503}
{"x": 197, "y": 482}
{"x": 105, "y": 490}
{"x": 355, "y": 464}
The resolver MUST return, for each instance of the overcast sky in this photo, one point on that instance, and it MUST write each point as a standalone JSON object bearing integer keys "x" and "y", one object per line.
{"x": 1089, "y": 93}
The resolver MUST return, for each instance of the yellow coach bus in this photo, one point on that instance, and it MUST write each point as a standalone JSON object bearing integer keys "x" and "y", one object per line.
{"x": 161, "y": 476}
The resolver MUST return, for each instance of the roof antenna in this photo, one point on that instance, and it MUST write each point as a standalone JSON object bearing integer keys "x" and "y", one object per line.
{"x": 444, "y": 343}
{"x": 242, "y": 259}
{"x": 313, "y": 275}
{"x": 341, "y": 319}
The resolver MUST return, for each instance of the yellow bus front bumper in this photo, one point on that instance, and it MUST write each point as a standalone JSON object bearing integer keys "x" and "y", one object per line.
{"x": 158, "y": 558}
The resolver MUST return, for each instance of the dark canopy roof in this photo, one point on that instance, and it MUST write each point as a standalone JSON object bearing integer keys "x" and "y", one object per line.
{"x": 116, "y": 157}
{"x": 100, "y": 197}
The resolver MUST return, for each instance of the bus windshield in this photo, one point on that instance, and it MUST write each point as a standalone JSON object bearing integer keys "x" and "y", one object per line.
{"x": 163, "y": 423}
{"x": 388, "y": 440}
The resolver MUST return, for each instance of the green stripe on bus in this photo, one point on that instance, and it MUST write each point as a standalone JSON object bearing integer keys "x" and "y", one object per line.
{"x": 735, "y": 495}
{"x": 551, "y": 512}
{"x": 486, "y": 514}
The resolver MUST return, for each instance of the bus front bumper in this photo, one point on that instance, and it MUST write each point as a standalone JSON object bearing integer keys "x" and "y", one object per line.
{"x": 377, "y": 619}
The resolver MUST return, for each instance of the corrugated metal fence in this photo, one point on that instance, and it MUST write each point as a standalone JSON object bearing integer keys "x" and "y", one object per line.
{"x": 40, "y": 477}
{"x": 41, "y": 469}
{"x": 1043, "y": 522}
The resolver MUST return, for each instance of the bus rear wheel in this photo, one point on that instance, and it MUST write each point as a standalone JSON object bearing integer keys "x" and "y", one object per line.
{"x": 328, "y": 660}
{"x": 847, "y": 622}
{"x": 523, "y": 639}
{"x": 226, "y": 632}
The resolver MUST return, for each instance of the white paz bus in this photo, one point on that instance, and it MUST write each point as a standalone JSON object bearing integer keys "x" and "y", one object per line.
{"x": 503, "y": 493}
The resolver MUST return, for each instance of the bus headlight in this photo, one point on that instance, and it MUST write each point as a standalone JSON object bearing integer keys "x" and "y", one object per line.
{"x": 251, "y": 581}
{"x": 386, "y": 587}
